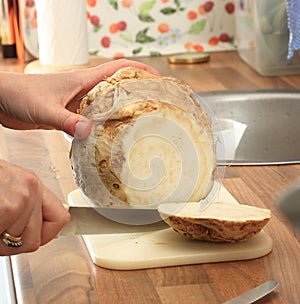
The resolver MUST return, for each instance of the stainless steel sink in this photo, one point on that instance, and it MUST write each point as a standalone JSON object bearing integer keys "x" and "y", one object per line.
{"x": 273, "y": 123}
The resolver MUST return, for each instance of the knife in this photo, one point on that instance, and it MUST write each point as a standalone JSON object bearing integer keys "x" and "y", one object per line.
{"x": 89, "y": 220}
{"x": 254, "y": 294}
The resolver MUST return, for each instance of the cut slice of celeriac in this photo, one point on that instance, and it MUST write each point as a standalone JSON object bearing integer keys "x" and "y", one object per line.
{"x": 220, "y": 222}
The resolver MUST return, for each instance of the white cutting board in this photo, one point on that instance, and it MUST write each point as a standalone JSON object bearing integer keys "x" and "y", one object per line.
{"x": 165, "y": 247}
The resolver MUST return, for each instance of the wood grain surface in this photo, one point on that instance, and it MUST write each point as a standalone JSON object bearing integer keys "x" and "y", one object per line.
{"x": 62, "y": 272}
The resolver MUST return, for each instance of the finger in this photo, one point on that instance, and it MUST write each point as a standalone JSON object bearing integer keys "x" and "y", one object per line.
{"x": 110, "y": 68}
{"x": 31, "y": 235}
{"x": 19, "y": 187}
{"x": 9, "y": 214}
{"x": 82, "y": 129}
{"x": 55, "y": 216}
{"x": 27, "y": 226}
{"x": 90, "y": 77}
{"x": 17, "y": 225}
{"x": 73, "y": 124}
{"x": 16, "y": 210}
{"x": 32, "y": 232}
{"x": 65, "y": 120}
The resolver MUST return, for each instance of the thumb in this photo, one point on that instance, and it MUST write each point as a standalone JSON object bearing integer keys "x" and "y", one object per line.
{"x": 55, "y": 216}
{"x": 73, "y": 124}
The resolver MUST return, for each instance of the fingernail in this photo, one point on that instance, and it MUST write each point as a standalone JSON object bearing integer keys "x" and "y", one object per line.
{"x": 82, "y": 129}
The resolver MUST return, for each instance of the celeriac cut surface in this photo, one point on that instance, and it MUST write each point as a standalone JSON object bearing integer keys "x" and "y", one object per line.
{"x": 151, "y": 142}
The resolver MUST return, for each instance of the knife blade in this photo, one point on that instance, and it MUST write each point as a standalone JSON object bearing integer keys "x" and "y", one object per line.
{"x": 254, "y": 294}
{"x": 88, "y": 221}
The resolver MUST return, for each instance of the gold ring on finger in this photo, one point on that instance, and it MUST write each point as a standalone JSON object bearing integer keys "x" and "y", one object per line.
{"x": 11, "y": 241}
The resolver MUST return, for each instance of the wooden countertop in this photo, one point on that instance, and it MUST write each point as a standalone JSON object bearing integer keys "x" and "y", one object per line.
{"x": 62, "y": 271}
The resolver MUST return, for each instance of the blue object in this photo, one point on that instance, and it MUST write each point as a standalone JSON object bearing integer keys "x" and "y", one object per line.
{"x": 293, "y": 13}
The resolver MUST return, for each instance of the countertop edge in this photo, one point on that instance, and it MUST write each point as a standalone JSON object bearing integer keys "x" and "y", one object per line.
{"x": 7, "y": 290}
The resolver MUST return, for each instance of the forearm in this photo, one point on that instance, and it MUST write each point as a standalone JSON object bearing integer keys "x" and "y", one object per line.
{"x": 9, "y": 88}
{"x": 14, "y": 97}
